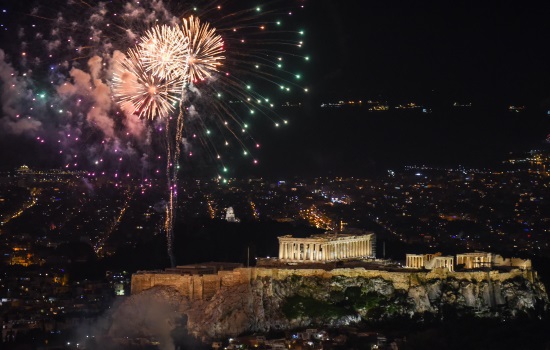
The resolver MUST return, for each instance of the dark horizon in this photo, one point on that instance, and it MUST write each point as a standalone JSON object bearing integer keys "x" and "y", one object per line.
{"x": 351, "y": 141}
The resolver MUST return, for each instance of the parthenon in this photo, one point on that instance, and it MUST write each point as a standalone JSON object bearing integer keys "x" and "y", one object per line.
{"x": 326, "y": 247}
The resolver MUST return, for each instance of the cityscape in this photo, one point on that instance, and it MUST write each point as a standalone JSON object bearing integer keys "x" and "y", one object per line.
{"x": 282, "y": 174}
{"x": 437, "y": 208}
{"x": 65, "y": 234}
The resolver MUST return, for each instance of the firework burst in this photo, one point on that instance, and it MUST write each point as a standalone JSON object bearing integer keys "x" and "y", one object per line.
{"x": 164, "y": 52}
{"x": 205, "y": 49}
{"x": 142, "y": 93}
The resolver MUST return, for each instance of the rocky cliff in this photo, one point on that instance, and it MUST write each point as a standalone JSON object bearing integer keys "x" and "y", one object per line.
{"x": 261, "y": 300}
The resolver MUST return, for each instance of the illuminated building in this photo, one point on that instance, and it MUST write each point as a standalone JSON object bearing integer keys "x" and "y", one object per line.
{"x": 467, "y": 261}
{"x": 429, "y": 261}
{"x": 230, "y": 215}
{"x": 326, "y": 247}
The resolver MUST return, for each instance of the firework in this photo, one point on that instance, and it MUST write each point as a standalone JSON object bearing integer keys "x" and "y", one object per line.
{"x": 77, "y": 47}
{"x": 164, "y": 52}
{"x": 142, "y": 93}
{"x": 205, "y": 49}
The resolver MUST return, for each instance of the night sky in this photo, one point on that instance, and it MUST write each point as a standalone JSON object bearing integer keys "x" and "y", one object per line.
{"x": 492, "y": 54}
{"x": 471, "y": 50}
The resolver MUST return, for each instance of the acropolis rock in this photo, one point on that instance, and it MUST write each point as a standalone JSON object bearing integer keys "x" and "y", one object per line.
{"x": 262, "y": 299}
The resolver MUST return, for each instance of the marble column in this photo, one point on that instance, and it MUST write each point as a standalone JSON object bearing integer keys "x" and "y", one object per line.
{"x": 315, "y": 254}
{"x": 345, "y": 248}
{"x": 287, "y": 250}
{"x": 290, "y": 250}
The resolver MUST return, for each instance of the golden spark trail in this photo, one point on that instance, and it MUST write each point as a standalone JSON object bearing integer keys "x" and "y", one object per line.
{"x": 152, "y": 80}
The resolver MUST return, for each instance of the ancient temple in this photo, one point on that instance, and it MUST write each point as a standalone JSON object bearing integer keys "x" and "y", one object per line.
{"x": 474, "y": 260}
{"x": 327, "y": 247}
{"x": 464, "y": 261}
{"x": 429, "y": 261}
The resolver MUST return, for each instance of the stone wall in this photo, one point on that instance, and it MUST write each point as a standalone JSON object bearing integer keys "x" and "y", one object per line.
{"x": 204, "y": 287}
